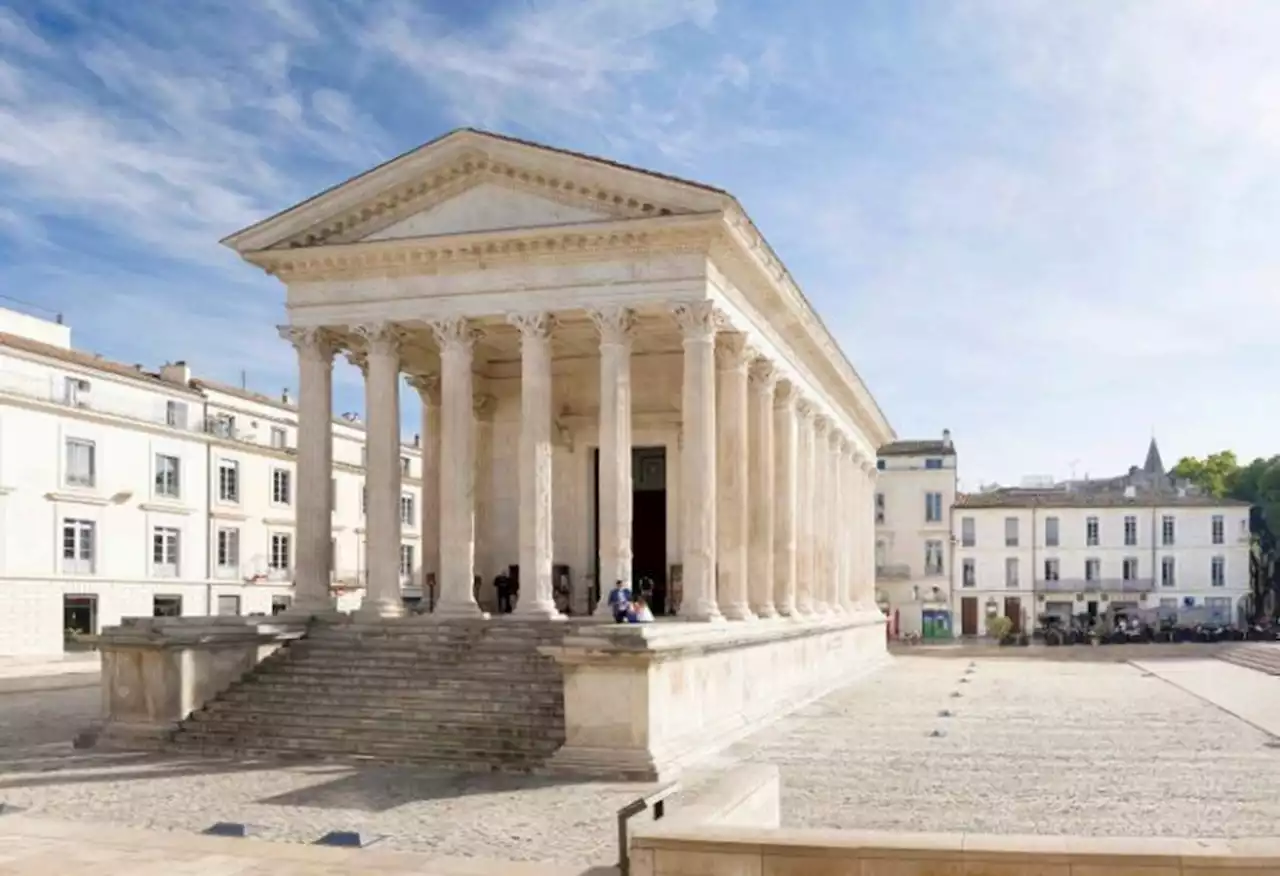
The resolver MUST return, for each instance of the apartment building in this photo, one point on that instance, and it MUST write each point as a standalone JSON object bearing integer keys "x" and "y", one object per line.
{"x": 916, "y": 490}
{"x": 125, "y": 492}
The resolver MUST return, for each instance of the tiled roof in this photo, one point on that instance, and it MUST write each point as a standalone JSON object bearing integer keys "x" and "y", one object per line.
{"x": 932, "y": 447}
{"x": 87, "y": 360}
{"x": 1021, "y": 498}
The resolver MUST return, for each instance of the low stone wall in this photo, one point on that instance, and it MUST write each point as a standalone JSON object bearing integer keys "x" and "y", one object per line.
{"x": 157, "y": 671}
{"x": 644, "y": 701}
{"x": 731, "y": 829}
{"x": 1068, "y": 653}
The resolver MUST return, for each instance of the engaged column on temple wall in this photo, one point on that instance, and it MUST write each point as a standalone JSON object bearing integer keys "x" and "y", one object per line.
{"x": 616, "y": 326}
{"x": 382, "y": 469}
{"x": 697, "y": 321}
{"x": 821, "y": 515}
{"x": 804, "y": 508}
{"x": 314, "y": 527}
{"x": 456, "y": 338}
{"x": 867, "y": 570}
{"x": 784, "y": 498}
{"x": 835, "y": 521}
{"x": 760, "y": 489}
{"x": 428, "y": 387}
{"x": 732, "y": 357}
{"x": 536, "y": 596}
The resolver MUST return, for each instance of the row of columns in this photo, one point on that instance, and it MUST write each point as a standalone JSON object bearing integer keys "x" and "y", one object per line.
{"x": 777, "y": 507}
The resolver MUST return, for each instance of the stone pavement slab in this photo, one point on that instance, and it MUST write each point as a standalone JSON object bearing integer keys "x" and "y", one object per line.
{"x": 1247, "y": 694}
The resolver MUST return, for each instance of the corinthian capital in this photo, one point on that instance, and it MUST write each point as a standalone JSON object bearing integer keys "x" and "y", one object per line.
{"x": 380, "y": 339}
{"x": 533, "y": 326}
{"x": 820, "y": 425}
{"x": 805, "y": 408}
{"x": 733, "y": 352}
{"x": 784, "y": 394}
{"x": 358, "y": 359}
{"x": 698, "y": 320}
{"x": 428, "y": 387}
{"x": 311, "y": 342}
{"x": 615, "y": 324}
{"x": 763, "y": 376}
{"x": 455, "y": 334}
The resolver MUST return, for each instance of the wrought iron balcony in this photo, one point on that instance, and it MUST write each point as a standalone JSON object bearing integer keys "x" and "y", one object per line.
{"x": 1097, "y": 585}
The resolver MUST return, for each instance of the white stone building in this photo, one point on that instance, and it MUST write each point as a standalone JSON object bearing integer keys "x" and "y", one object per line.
{"x": 915, "y": 493}
{"x": 1022, "y": 553}
{"x": 130, "y": 493}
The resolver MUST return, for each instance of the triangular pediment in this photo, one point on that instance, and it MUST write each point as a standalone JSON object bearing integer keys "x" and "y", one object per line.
{"x": 489, "y": 206}
{"x": 471, "y": 181}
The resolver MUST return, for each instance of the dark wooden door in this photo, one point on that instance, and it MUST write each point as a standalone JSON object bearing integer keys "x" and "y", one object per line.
{"x": 1013, "y": 611}
{"x": 969, "y": 616}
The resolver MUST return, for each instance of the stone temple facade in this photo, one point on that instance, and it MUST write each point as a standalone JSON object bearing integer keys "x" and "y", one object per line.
{"x": 618, "y": 377}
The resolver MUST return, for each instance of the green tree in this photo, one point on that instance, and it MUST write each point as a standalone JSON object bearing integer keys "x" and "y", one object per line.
{"x": 1215, "y": 474}
{"x": 1220, "y": 474}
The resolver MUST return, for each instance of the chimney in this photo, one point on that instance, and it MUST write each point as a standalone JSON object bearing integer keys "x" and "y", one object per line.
{"x": 285, "y": 398}
{"x": 176, "y": 372}
{"x": 1130, "y": 492}
{"x": 946, "y": 437}
{"x": 417, "y": 440}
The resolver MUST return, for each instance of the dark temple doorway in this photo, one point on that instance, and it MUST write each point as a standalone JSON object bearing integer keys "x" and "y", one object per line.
{"x": 648, "y": 526}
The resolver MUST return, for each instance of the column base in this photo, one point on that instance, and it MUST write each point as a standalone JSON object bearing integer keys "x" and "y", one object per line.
{"x": 764, "y": 612}
{"x": 738, "y": 612}
{"x": 458, "y": 611}
{"x": 705, "y": 612}
{"x": 537, "y": 611}
{"x": 376, "y": 609}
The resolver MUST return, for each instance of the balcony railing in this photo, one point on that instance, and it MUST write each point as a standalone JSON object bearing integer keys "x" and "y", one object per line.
{"x": 893, "y": 572}
{"x": 1097, "y": 585}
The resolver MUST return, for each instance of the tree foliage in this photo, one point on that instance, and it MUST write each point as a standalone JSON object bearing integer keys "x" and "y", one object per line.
{"x": 1221, "y": 474}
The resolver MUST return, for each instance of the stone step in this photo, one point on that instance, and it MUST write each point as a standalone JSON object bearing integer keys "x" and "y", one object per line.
{"x": 374, "y": 672}
{"x": 362, "y": 696}
{"x": 454, "y": 728}
{"x": 437, "y": 633}
{"x": 405, "y": 682}
{"x": 359, "y": 752}
{"x": 400, "y": 656}
{"x": 468, "y": 713}
{"x": 371, "y": 743}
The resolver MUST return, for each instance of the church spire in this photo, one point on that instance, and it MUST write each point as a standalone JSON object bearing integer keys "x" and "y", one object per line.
{"x": 1154, "y": 464}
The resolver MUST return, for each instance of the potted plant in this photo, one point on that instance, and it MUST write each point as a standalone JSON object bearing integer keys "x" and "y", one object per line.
{"x": 1000, "y": 628}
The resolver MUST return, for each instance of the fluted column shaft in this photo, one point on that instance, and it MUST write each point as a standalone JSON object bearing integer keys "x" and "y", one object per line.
{"x": 867, "y": 566}
{"x": 733, "y": 356}
{"x": 382, "y": 470}
{"x": 616, "y": 325}
{"x": 821, "y": 514}
{"x": 837, "y": 525}
{"x": 537, "y": 598}
{"x": 314, "y": 556}
{"x": 760, "y": 490}
{"x": 697, "y": 322}
{"x": 854, "y": 535}
{"x": 804, "y": 509}
{"x": 428, "y": 388}
{"x": 456, "y": 338}
{"x": 786, "y": 440}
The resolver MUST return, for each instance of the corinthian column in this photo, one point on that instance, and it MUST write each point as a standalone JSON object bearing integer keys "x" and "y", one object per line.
{"x": 615, "y": 325}
{"x": 313, "y": 566}
{"x": 804, "y": 509}
{"x": 456, "y": 338}
{"x": 821, "y": 515}
{"x": 732, "y": 355}
{"x": 784, "y": 499}
{"x": 697, "y": 322}
{"x": 428, "y": 387}
{"x": 867, "y": 566}
{"x": 849, "y": 549}
{"x": 761, "y": 488}
{"x": 382, "y": 470}
{"x": 537, "y": 598}
{"x": 837, "y": 526}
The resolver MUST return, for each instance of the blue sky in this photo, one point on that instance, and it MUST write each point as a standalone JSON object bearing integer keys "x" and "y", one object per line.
{"x": 1047, "y": 226}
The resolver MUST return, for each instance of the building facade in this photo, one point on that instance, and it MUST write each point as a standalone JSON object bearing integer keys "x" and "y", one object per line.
{"x": 619, "y": 380}
{"x": 1026, "y": 553}
{"x": 125, "y": 493}
{"x": 916, "y": 490}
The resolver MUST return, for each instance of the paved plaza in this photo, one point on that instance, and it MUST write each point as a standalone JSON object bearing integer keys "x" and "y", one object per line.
{"x": 1028, "y": 747}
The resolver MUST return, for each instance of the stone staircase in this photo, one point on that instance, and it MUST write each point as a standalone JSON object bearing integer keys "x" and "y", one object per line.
{"x": 1262, "y": 656}
{"x": 466, "y": 694}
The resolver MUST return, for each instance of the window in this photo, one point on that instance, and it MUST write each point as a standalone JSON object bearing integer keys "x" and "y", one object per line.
{"x": 175, "y": 414}
{"x": 1218, "y": 572}
{"x": 223, "y": 426}
{"x": 1130, "y": 530}
{"x": 1092, "y": 569}
{"x": 228, "y": 548}
{"x": 1051, "y": 532}
{"x": 279, "y": 438}
{"x": 404, "y": 466}
{"x": 1129, "y": 569}
{"x": 228, "y": 605}
{"x": 1051, "y": 570}
{"x": 1011, "y": 532}
{"x": 1166, "y": 530}
{"x": 164, "y": 551}
{"x": 1219, "y": 530}
{"x": 881, "y": 551}
{"x": 406, "y": 560}
{"x": 879, "y": 507}
{"x": 279, "y": 559}
{"x": 82, "y": 463}
{"x": 880, "y": 465}
{"x": 280, "y": 484}
{"x": 228, "y": 480}
{"x": 933, "y": 557}
{"x": 167, "y": 482}
{"x": 1170, "y": 604}
{"x": 166, "y": 606}
{"x": 1091, "y": 531}
{"x": 968, "y": 573}
{"x": 78, "y": 546}
{"x": 75, "y": 392}
{"x": 1167, "y": 572}
{"x": 406, "y": 509}
{"x": 968, "y": 536}
{"x": 933, "y": 463}
{"x": 932, "y": 507}
{"x": 280, "y": 603}
{"x": 1011, "y": 572}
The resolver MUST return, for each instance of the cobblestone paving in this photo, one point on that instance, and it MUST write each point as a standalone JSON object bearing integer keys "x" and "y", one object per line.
{"x": 1031, "y": 747}
{"x": 444, "y": 814}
